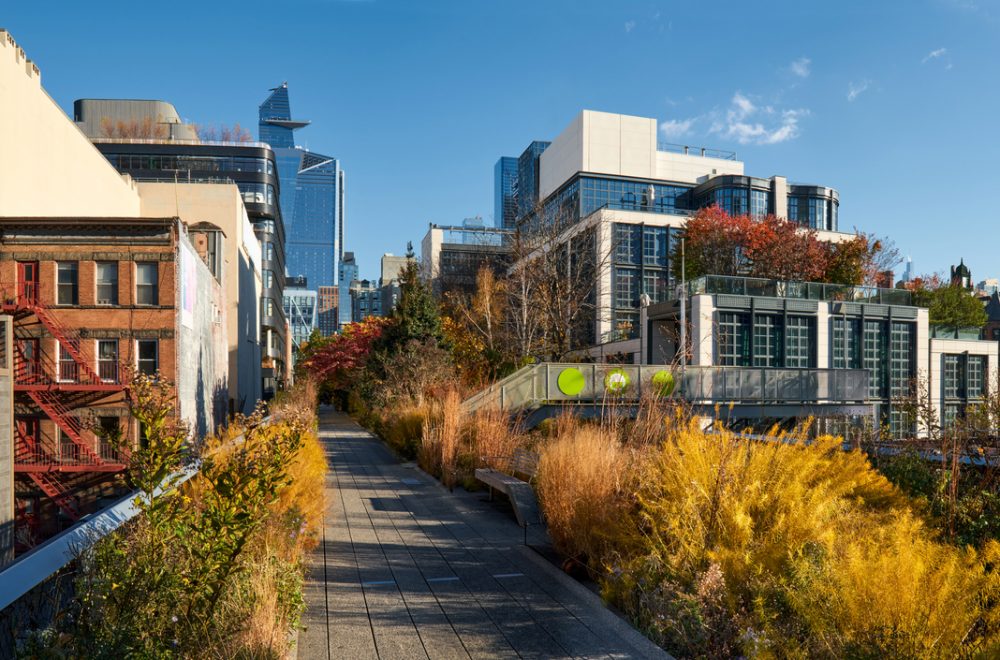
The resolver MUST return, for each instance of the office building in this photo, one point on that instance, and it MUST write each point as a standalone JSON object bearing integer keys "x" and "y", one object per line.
{"x": 312, "y": 201}
{"x": 505, "y": 193}
{"x": 348, "y": 272}
{"x": 392, "y": 271}
{"x": 366, "y": 300}
{"x": 328, "y": 298}
{"x": 248, "y": 165}
{"x": 302, "y": 310}
{"x": 451, "y": 256}
{"x": 528, "y": 177}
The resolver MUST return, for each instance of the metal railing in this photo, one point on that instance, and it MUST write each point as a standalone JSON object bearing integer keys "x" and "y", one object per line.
{"x": 704, "y": 152}
{"x": 752, "y": 286}
{"x": 643, "y": 207}
{"x": 540, "y": 383}
{"x": 210, "y": 143}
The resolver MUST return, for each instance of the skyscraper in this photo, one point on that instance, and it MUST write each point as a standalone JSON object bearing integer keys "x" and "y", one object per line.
{"x": 528, "y": 170}
{"x": 348, "y": 273}
{"x": 504, "y": 192}
{"x": 312, "y": 200}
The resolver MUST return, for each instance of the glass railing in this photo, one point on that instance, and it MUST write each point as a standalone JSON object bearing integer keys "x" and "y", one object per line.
{"x": 752, "y": 286}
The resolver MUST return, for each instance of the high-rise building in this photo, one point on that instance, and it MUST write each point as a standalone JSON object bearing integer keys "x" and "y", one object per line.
{"x": 328, "y": 299}
{"x": 301, "y": 309}
{"x": 348, "y": 272}
{"x": 392, "y": 271}
{"x": 528, "y": 173}
{"x": 366, "y": 300}
{"x": 505, "y": 192}
{"x": 312, "y": 200}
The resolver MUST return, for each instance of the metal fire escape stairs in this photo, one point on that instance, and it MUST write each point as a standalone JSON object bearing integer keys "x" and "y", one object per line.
{"x": 55, "y": 394}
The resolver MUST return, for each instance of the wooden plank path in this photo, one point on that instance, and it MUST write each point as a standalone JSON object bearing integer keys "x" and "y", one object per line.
{"x": 405, "y": 569}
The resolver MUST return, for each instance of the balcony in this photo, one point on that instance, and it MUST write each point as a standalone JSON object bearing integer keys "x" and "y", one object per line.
{"x": 752, "y": 286}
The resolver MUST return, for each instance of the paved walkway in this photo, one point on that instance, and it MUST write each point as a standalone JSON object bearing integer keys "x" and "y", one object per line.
{"x": 407, "y": 570}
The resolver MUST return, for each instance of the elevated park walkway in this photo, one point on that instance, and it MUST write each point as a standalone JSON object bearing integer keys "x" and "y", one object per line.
{"x": 731, "y": 394}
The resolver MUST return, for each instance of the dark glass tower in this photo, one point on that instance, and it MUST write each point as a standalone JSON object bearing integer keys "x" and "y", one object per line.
{"x": 504, "y": 193}
{"x": 312, "y": 200}
{"x": 528, "y": 171}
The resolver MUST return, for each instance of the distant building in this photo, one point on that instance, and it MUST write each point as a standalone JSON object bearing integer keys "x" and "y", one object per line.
{"x": 348, "y": 274}
{"x": 505, "y": 193}
{"x": 961, "y": 276}
{"x": 450, "y": 257}
{"x": 328, "y": 298}
{"x": 392, "y": 269}
{"x": 366, "y": 300}
{"x": 312, "y": 203}
{"x": 529, "y": 177}
{"x": 907, "y": 271}
{"x": 989, "y": 286}
{"x": 301, "y": 309}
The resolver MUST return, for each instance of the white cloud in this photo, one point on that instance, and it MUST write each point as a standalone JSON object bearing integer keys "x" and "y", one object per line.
{"x": 747, "y": 123}
{"x": 800, "y": 67}
{"x": 676, "y": 128}
{"x": 934, "y": 54}
{"x": 629, "y": 26}
{"x": 854, "y": 90}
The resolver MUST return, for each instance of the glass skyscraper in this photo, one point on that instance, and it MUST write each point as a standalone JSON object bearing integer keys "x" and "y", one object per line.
{"x": 312, "y": 195}
{"x": 348, "y": 273}
{"x": 504, "y": 193}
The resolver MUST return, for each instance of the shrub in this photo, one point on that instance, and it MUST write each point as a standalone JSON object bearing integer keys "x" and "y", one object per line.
{"x": 819, "y": 555}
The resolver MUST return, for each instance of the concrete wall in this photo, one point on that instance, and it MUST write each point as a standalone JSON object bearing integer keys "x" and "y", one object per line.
{"x": 621, "y": 145}
{"x": 90, "y": 114}
{"x": 202, "y": 345}
{"x": 6, "y": 441}
{"x": 222, "y": 206}
{"x": 47, "y": 166}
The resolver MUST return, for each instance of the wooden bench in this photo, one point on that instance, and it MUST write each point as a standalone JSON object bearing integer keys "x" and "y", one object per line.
{"x": 522, "y": 463}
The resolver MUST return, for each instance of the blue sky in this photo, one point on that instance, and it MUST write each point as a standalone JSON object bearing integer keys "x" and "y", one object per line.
{"x": 894, "y": 104}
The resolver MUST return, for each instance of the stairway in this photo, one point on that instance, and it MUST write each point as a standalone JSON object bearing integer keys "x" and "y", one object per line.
{"x": 51, "y": 485}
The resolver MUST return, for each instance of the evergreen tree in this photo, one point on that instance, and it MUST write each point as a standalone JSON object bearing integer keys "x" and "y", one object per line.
{"x": 416, "y": 316}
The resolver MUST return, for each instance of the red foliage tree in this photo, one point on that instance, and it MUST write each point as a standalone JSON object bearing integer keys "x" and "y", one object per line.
{"x": 336, "y": 360}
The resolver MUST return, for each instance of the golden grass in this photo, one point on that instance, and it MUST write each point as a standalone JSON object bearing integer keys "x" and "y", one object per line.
{"x": 820, "y": 554}
{"x": 583, "y": 480}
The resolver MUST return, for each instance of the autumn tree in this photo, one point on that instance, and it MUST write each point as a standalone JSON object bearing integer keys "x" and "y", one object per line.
{"x": 477, "y": 327}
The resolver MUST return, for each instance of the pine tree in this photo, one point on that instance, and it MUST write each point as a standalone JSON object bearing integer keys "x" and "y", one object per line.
{"x": 416, "y": 316}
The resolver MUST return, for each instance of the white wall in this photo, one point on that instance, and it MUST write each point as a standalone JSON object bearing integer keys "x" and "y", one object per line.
{"x": 47, "y": 166}
{"x": 621, "y": 145}
{"x": 221, "y": 205}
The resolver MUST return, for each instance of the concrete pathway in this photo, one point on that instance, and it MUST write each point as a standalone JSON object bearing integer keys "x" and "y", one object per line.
{"x": 407, "y": 570}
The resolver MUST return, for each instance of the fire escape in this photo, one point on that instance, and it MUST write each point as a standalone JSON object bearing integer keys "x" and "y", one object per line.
{"x": 53, "y": 387}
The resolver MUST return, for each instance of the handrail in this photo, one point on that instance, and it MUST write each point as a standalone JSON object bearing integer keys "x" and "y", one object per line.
{"x": 696, "y": 384}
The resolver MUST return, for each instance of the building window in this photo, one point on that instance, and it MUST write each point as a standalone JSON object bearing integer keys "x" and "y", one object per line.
{"x": 107, "y": 360}
{"x": 975, "y": 377}
{"x": 109, "y": 437}
{"x": 148, "y": 357}
{"x": 654, "y": 246}
{"x": 68, "y": 450}
{"x": 734, "y": 340}
{"x": 68, "y": 283}
{"x": 107, "y": 283}
{"x": 147, "y": 283}
{"x": 626, "y": 289}
{"x": 950, "y": 414}
{"x": 268, "y": 278}
{"x": 766, "y": 341}
{"x": 759, "y": 203}
{"x": 628, "y": 244}
{"x": 845, "y": 343}
{"x": 953, "y": 377}
{"x": 67, "y": 366}
{"x": 873, "y": 357}
{"x": 900, "y": 347}
{"x": 798, "y": 342}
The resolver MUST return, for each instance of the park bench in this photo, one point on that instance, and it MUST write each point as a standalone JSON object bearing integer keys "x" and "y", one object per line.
{"x": 520, "y": 492}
